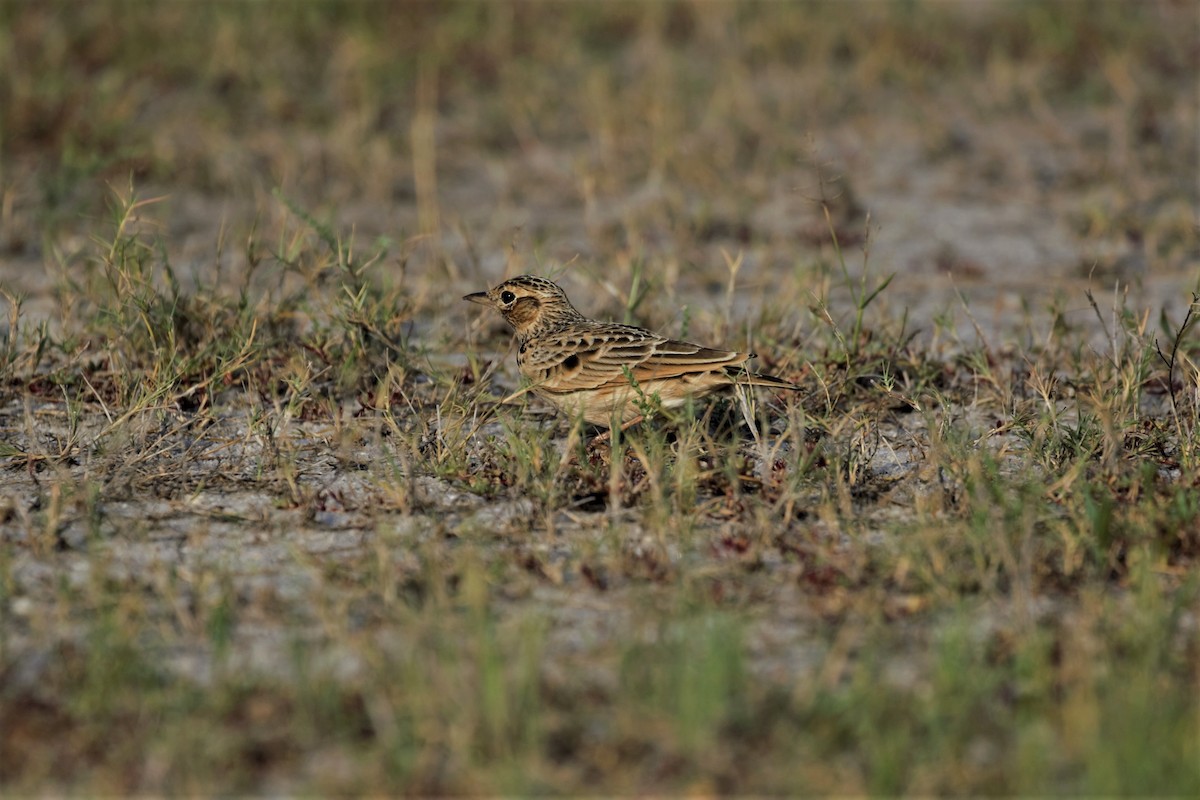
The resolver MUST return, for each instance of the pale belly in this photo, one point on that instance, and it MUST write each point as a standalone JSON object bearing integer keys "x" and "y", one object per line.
{"x": 624, "y": 403}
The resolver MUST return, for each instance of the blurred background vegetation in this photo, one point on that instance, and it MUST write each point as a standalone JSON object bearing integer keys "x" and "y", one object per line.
{"x": 422, "y": 118}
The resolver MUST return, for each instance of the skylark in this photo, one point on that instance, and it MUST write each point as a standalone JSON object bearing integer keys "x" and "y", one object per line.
{"x": 604, "y": 371}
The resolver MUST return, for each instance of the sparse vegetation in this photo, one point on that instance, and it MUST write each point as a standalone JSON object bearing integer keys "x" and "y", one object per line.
{"x": 265, "y": 526}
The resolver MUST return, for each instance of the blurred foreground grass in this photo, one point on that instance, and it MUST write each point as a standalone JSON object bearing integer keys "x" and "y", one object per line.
{"x": 263, "y": 527}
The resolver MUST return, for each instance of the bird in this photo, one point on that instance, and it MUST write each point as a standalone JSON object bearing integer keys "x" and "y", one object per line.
{"x": 607, "y": 372}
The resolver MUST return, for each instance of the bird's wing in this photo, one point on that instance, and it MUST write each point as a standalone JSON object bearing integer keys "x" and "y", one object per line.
{"x": 598, "y": 356}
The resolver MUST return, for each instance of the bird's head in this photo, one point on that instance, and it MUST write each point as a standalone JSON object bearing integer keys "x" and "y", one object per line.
{"x": 529, "y": 304}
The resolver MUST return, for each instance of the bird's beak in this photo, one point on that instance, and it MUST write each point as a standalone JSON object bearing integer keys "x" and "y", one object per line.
{"x": 479, "y": 297}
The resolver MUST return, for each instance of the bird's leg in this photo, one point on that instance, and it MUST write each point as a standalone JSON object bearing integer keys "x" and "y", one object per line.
{"x": 604, "y": 437}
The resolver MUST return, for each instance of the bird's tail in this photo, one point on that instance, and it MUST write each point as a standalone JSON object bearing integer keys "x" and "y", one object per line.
{"x": 758, "y": 379}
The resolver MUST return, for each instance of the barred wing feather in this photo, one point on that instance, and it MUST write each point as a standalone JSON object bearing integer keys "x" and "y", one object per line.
{"x": 574, "y": 359}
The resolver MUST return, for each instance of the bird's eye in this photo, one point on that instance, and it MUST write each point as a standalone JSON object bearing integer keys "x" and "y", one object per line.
{"x": 507, "y": 297}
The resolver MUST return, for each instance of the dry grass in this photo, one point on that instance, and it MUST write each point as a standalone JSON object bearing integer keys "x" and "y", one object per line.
{"x": 264, "y": 526}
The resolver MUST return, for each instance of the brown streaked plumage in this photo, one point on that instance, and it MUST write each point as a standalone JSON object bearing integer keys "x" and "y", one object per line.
{"x": 583, "y": 367}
